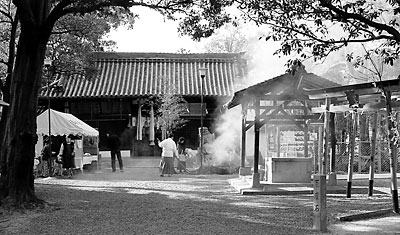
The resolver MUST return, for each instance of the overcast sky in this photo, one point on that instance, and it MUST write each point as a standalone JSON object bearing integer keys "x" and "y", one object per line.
{"x": 152, "y": 34}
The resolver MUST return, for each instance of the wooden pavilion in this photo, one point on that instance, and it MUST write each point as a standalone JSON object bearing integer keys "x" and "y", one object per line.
{"x": 365, "y": 97}
{"x": 277, "y": 102}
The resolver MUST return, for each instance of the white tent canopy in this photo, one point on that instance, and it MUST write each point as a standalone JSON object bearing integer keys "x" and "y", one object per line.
{"x": 63, "y": 124}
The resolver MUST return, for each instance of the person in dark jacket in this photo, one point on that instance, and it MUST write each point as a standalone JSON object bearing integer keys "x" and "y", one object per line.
{"x": 68, "y": 155}
{"x": 113, "y": 145}
{"x": 182, "y": 155}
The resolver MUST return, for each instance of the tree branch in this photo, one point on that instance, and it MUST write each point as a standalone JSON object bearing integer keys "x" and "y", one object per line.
{"x": 4, "y": 62}
{"x": 6, "y": 14}
{"x": 346, "y": 15}
{"x": 313, "y": 37}
{"x": 25, "y": 14}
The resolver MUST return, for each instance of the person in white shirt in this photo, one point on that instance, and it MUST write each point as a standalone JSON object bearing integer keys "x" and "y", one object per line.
{"x": 169, "y": 151}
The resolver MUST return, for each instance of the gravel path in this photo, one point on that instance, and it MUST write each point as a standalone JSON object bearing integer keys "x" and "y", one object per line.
{"x": 137, "y": 201}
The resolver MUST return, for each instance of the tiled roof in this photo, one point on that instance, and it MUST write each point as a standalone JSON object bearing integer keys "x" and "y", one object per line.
{"x": 286, "y": 86}
{"x": 141, "y": 74}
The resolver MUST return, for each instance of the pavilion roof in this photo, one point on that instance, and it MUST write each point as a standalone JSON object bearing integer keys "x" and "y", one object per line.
{"x": 141, "y": 74}
{"x": 287, "y": 86}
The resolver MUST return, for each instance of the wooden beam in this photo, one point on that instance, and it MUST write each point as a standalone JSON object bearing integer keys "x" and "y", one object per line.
{"x": 266, "y": 107}
{"x": 277, "y": 110}
{"x": 372, "y": 106}
{"x": 362, "y": 88}
{"x": 324, "y": 95}
{"x": 292, "y": 117}
{"x": 287, "y": 97}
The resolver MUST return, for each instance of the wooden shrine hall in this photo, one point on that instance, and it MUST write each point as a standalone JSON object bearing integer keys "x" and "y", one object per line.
{"x": 278, "y": 102}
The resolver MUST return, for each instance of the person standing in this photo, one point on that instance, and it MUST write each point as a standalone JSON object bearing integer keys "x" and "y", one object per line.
{"x": 68, "y": 155}
{"x": 182, "y": 155}
{"x": 113, "y": 145}
{"x": 168, "y": 153}
{"x": 45, "y": 161}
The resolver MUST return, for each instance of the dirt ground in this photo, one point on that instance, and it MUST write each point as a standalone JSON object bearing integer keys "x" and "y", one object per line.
{"x": 138, "y": 201}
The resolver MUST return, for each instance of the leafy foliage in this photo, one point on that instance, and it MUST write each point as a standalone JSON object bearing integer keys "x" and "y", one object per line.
{"x": 314, "y": 29}
{"x": 170, "y": 107}
{"x": 76, "y": 36}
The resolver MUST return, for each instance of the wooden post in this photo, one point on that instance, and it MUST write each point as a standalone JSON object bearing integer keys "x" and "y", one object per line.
{"x": 243, "y": 170}
{"x": 243, "y": 157}
{"x": 278, "y": 141}
{"x": 372, "y": 157}
{"x": 332, "y": 165}
{"x": 151, "y": 137}
{"x": 256, "y": 174}
{"x": 305, "y": 140}
{"x": 379, "y": 146}
{"x": 319, "y": 211}
{"x": 326, "y": 135}
{"x": 351, "y": 156}
{"x": 305, "y": 131}
{"x": 320, "y": 141}
{"x": 316, "y": 155}
{"x": 139, "y": 123}
{"x": 392, "y": 151}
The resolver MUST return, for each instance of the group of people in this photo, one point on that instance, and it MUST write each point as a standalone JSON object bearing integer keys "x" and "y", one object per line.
{"x": 171, "y": 151}
{"x": 63, "y": 162}
{"x": 56, "y": 164}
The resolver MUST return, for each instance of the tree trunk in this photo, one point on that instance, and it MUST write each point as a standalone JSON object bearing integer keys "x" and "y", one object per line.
{"x": 6, "y": 95}
{"x": 17, "y": 182}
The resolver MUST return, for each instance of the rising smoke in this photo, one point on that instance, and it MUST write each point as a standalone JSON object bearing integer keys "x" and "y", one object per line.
{"x": 262, "y": 65}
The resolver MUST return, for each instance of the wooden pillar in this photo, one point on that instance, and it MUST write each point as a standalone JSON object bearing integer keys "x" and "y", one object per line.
{"x": 278, "y": 141}
{"x": 305, "y": 131}
{"x": 139, "y": 123}
{"x": 256, "y": 174}
{"x": 319, "y": 208}
{"x": 243, "y": 170}
{"x": 151, "y": 137}
{"x": 332, "y": 165}
{"x": 373, "y": 152}
{"x": 379, "y": 147}
{"x": 353, "y": 132}
{"x": 305, "y": 140}
{"x": 326, "y": 135}
{"x": 320, "y": 149}
{"x": 243, "y": 153}
{"x": 391, "y": 125}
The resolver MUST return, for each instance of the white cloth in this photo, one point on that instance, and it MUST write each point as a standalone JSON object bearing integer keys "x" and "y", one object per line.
{"x": 168, "y": 148}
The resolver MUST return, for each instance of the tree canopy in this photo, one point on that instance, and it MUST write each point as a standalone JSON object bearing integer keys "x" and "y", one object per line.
{"x": 314, "y": 29}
